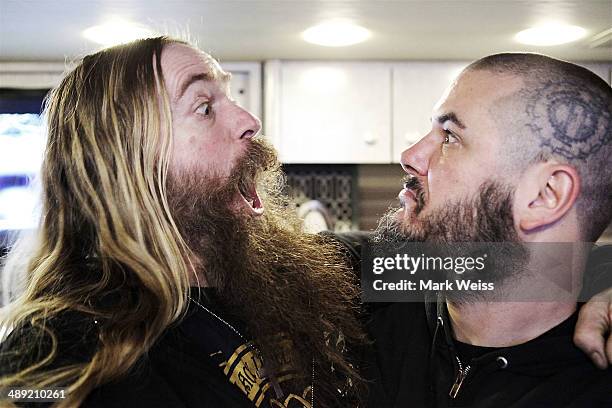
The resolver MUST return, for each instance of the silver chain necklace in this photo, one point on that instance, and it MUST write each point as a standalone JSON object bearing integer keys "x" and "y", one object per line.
{"x": 232, "y": 328}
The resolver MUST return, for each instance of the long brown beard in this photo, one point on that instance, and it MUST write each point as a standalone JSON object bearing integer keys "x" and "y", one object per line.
{"x": 270, "y": 275}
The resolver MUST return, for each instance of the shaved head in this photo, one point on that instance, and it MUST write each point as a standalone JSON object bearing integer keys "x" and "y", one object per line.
{"x": 561, "y": 112}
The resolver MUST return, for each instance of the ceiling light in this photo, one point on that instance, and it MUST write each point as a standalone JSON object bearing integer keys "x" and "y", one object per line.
{"x": 336, "y": 34}
{"x": 550, "y": 34}
{"x": 116, "y": 32}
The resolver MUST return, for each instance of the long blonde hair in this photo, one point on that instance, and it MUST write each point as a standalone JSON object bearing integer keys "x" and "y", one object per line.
{"x": 106, "y": 247}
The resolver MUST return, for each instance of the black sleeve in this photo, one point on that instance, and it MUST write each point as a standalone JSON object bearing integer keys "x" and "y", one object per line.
{"x": 598, "y": 275}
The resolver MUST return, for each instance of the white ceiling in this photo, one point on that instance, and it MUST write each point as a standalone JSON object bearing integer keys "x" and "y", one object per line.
{"x": 258, "y": 29}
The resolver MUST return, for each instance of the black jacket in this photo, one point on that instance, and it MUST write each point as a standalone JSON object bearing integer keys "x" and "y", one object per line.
{"x": 415, "y": 361}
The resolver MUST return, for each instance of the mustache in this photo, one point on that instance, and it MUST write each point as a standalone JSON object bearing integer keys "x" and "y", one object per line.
{"x": 414, "y": 184}
{"x": 259, "y": 158}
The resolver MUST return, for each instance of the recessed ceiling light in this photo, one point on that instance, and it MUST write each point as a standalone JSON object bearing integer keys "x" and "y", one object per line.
{"x": 336, "y": 34}
{"x": 550, "y": 34}
{"x": 116, "y": 32}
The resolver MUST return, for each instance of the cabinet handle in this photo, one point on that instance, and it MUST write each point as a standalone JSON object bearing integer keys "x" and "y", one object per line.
{"x": 411, "y": 137}
{"x": 370, "y": 138}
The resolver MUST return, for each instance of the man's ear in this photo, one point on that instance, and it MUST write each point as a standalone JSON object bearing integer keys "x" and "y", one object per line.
{"x": 545, "y": 193}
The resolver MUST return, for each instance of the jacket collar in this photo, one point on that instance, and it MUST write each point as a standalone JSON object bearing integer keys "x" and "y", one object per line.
{"x": 546, "y": 354}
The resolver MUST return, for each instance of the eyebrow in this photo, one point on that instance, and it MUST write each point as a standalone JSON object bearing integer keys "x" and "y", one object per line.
{"x": 202, "y": 76}
{"x": 450, "y": 117}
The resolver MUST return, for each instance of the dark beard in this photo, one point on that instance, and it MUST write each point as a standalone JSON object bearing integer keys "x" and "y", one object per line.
{"x": 467, "y": 227}
{"x": 270, "y": 275}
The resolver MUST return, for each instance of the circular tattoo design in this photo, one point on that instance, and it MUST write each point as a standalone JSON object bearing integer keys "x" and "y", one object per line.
{"x": 578, "y": 121}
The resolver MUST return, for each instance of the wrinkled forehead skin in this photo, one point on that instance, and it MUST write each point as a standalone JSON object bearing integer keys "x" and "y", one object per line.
{"x": 180, "y": 61}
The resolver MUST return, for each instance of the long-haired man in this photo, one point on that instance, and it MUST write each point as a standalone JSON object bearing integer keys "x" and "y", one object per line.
{"x": 158, "y": 276}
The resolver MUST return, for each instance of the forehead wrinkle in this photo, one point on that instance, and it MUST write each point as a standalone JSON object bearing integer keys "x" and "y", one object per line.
{"x": 214, "y": 69}
{"x": 192, "y": 79}
{"x": 198, "y": 66}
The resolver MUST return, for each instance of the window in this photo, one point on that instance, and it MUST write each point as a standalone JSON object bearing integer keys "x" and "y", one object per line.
{"x": 22, "y": 143}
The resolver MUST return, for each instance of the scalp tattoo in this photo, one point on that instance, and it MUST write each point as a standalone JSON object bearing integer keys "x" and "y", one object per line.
{"x": 569, "y": 120}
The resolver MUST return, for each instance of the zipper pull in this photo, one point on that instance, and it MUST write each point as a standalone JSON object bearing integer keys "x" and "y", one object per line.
{"x": 457, "y": 385}
{"x": 459, "y": 380}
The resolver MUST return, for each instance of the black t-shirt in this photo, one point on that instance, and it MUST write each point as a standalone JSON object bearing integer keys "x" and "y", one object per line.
{"x": 207, "y": 360}
{"x": 199, "y": 362}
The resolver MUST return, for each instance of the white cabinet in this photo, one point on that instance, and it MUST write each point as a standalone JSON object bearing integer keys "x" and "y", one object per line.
{"x": 329, "y": 112}
{"x": 417, "y": 87}
{"x": 245, "y": 85}
{"x": 351, "y": 112}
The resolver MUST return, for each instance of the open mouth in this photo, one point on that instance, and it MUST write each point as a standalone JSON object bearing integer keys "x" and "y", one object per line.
{"x": 406, "y": 197}
{"x": 248, "y": 192}
{"x": 412, "y": 194}
{"x": 407, "y": 193}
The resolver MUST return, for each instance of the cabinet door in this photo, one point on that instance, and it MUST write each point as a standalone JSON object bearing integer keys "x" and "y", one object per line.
{"x": 334, "y": 112}
{"x": 417, "y": 87}
{"x": 245, "y": 85}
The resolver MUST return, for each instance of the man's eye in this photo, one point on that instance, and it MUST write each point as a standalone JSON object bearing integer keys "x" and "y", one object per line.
{"x": 449, "y": 137}
{"x": 204, "y": 109}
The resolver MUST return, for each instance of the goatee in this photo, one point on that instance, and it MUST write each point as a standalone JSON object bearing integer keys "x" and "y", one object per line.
{"x": 466, "y": 227}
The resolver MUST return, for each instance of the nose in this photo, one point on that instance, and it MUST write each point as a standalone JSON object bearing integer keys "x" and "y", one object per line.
{"x": 249, "y": 125}
{"x": 416, "y": 159}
